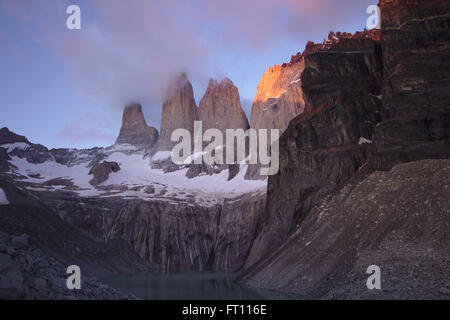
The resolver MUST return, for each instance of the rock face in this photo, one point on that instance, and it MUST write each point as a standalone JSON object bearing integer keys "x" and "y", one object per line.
{"x": 279, "y": 99}
{"x": 58, "y": 239}
{"x": 102, "y": 170}
{"x": 135, "y": 130}
{"x": 72, "y": 157}
{"x": 4, "y": 164}
{"x": 179, "y": 111}
{"x": 279, "y": 96}
{"x": 239, "y": 222}
{"x": 322, "y": 147}
{"x": 341, "y": 217}
{"x": 397, "y": 220}
{"x": 19, "y": 146}
{"x": 176, "y": 236}
{"x": 416, "y": 88}
{"x": 33, "y": 153}
{"x": 220, "y": 107}
{"x": 7, "y": 136}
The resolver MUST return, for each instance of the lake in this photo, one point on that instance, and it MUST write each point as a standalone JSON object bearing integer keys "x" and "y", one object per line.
{"x": 190, "y": 286}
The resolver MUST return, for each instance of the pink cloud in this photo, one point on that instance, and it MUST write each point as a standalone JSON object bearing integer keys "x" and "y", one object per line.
{"x": 132, "y": 49}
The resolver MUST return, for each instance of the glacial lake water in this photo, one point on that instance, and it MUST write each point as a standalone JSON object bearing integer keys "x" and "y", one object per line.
{"x": 192, "y": 286}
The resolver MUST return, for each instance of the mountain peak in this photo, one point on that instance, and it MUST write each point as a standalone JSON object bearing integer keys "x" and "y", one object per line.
{"x": 7, "y": 136}
{"x": 135, "y": 130}
{"x": 221, "y": 108}
{"x": 178, "y": 111}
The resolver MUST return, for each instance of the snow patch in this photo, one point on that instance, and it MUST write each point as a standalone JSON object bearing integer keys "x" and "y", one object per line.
{"x": 78, "y": 174}
{"x": 191, "y": 159}
{"x": 363, "y": 140}
{"x": 121, "y": 147}
{"x": 3, "y": 199}
{"x": 161, "y": 156}
{"x": 136, "y": 172}
{"x": 12, "y": 146}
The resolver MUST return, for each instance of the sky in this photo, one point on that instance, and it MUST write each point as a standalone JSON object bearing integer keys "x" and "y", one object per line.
{"x": 67, "y": 88}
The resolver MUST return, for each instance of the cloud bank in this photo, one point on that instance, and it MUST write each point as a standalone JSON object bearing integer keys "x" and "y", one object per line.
{"x": 131, "y": 50}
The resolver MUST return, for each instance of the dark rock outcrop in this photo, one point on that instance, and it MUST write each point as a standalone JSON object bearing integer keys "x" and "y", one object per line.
{"x": 322, "y": 147}
{"x": 19, "y": 146}
{"x": 397, "y": 220}
{"x": 416, "y": 88}
{"x": 239, "y": 222}
{"x": 7, "y": 136}
{"x": 72, "y": 157}
{"x": 28, "y": 273}
{"x": 135, "y": 130}
{"x": 196, "y": 170}
{"x": 101, "y": 171}
{"x": 34, "y": 153}
{"x": 4, "y": 164}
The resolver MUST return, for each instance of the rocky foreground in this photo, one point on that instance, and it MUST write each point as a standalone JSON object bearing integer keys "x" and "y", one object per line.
{"x": 28, "y": 273}
{"x": 397, "y": 220}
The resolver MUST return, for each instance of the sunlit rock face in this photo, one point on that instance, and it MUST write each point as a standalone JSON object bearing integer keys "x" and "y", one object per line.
{"x": 279, "y": 97}
{"x": 220, "y": 107}
{"x": 178, "y": 112}
{"x": 281, "y": 93}
{"x": 416, "y": 90}
{"x": 135, "y": 130}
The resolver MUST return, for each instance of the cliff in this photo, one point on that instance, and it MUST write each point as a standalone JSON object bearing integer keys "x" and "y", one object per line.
{"x": 323, "y": 147}
{"x": 220, "y": 107}
{"x": 329, "y": 214}
{"x": 416, "y": 95}
{"x": 135, "y": 130}
{"x": 179, "y": 111}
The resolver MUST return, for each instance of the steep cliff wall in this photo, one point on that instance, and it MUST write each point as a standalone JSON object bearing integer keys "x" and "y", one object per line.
{"x": 279, "y": 99}
{"x": 327, "y": 144}
{"x": 279, "y": 96}
{"x": 135, "y": 130}
{"x": 334, "y": 215}
{"x": 179, "y": 111}
{"x": 176, "y": 236}
{"x": 220, "y": 107}
{"x": 416, "y": 88}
